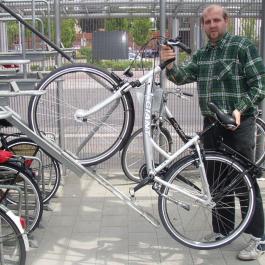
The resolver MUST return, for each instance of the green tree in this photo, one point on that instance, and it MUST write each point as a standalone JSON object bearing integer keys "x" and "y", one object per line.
{"x": 117, "y": 24}
{"x": 68, "y": 32}
{"x": 231, "y": 25}
{"x": 140, "y": 30}
{"x": 52, "y": 29}
{"x": 12, "y": 32}
{"x": 249, "y": 29}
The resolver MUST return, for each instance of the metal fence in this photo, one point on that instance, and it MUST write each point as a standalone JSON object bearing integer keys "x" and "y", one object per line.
{"x": 169, "y": 18}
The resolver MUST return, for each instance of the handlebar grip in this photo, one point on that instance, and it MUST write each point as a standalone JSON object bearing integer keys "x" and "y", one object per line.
{"x": 164, "y": 64}
{"x": 179, "y": 44}
{"x": 184, "y": 47}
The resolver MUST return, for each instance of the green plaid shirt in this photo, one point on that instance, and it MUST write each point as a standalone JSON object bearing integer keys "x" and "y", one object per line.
{"x": 231, "y": 75}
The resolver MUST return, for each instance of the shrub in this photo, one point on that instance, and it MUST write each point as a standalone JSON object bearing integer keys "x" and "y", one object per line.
{"x": 35, "y": 67}
{"x": 86, "y": 53}
{"x": 183, "y": 57}
{"x": 122, "y": 64}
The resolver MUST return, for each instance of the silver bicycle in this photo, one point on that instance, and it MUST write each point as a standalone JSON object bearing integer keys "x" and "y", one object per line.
{"x": 195, "y": 190}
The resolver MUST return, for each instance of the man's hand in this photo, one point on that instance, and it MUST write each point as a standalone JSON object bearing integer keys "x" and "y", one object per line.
{"x": 167, "y": 53}
{"x": 237, "y": 115}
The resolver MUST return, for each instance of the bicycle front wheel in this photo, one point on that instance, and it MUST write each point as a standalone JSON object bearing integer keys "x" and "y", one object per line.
{"x": 201, "y": 225}
{"x": 77, "y": 87}
{"x": 12, "y": 247}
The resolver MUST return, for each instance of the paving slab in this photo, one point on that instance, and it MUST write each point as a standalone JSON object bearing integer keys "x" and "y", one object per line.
{"x": 88, "y": 225}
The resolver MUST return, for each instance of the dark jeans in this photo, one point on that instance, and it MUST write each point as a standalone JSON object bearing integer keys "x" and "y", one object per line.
{"x": 243, "y": 141}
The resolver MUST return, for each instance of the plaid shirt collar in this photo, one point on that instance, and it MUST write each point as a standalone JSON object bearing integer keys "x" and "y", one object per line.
{"x": 220, "y": 44}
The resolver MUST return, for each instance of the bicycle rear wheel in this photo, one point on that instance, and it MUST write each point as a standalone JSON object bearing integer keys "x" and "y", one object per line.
{"x": 48, "y": 177}
{"x": 80, "y": 87}
{"x": 28, "y": 198}
{"x": 191, "y": 222}
{"x": 132, "y": 158}
{"x": 12, "y": 247}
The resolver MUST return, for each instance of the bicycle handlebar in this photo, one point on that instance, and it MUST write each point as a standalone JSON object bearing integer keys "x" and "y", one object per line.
{"x": 176, "y": 42}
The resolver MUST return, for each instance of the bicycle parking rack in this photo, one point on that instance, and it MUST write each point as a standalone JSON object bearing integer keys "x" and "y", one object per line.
{"x": 68, "y": 160}
{"x": 56, "y": 152}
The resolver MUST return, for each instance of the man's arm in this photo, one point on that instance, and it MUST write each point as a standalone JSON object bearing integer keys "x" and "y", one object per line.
{"x": 179, "y": 74}
{"x": 255, "y": 77}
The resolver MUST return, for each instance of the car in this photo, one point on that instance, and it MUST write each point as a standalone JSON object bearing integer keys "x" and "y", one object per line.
{"x": 132, "y": 55}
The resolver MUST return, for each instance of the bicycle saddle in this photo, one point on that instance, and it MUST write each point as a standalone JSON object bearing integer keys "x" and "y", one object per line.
{"x": 225, "y": 119}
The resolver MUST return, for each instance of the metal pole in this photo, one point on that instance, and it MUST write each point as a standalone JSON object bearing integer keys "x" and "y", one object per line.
{"x": 163, "y": 34}
{"x": 34, "y": 25}
{"x": 261, "y": 143}
{"x": 4, "y": 38}
{"x": 57, "y": 29}
{"x": 262, "y": 32}
{"x": 175, "y": 33}
{"x": 59, "y": 83}
{"x": 162, "y": 74}
{"x": 23, "y": 49}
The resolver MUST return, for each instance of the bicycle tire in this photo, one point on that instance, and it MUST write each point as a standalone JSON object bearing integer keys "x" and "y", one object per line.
{"x": 12, "y": 250}
{"x": 50, "y": 167}
{"x": 31, "y": 200}
{"x": 260, "y": 141}
{"x": 190, "y": 222}
{"x": 132, "y": 157}
{"x": 54, "y": 112}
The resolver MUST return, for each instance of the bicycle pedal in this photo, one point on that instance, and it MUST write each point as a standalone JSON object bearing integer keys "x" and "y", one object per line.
{"x": 132, "y": 193}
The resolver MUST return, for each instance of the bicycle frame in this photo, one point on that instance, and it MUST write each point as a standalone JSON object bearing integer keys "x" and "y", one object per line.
{"x": 71, "y": 162}
{"x": 150, "y": 145}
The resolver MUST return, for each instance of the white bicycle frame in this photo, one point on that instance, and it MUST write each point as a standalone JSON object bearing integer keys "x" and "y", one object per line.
{"x": 71, "y": 162}
{"x": 150, "y": 144}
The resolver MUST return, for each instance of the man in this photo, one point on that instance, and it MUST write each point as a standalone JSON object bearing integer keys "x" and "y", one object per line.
{"x": 228, "y": 72}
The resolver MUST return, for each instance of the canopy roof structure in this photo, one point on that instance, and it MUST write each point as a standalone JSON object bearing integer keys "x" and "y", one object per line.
{"x": 136, "y": 8}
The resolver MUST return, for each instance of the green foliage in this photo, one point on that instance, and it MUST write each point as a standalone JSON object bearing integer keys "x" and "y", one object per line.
{"x": 249, "y": 29}
{"x": 86, "y": 53}
{"x": 35, "y": 67}
{"x": 68, "y": 32}
{"x": 183, "y": 57}
{"x": 231, "y": 25}
{"x": 38, "y": 27}
{"x": 12, "y": 31}
{"x": 140, "y": 30}
{"x": 52, "y": 29}
{"x": 122, "y": 64}
{"x": 117, "y": 24}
